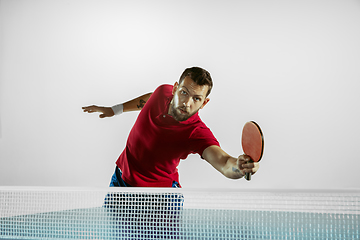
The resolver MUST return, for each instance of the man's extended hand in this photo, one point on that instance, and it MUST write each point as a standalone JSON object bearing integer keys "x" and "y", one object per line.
{"x": 106, "y": 111}
{"x": 245, "y": 166}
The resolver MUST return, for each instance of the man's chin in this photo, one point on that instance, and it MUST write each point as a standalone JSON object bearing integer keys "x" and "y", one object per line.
{"x": 178, "y": 116}
{"x": 181, "y": 118}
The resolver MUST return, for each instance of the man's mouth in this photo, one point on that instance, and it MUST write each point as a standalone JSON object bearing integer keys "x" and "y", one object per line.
{"x": 183, "y": 111}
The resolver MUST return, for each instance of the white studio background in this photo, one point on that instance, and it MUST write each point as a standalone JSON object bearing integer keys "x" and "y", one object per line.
{"x": 292, "y": 66}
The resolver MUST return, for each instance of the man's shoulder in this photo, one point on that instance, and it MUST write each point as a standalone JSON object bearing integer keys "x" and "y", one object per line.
{"x": 203, "y": 133}
{"x": 164, "y": 89}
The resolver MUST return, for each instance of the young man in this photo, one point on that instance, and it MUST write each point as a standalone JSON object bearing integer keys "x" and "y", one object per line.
{"x": 168, "y": 129}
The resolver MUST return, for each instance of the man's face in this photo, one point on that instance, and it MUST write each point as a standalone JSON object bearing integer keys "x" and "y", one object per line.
{"x": 188, "y": 99}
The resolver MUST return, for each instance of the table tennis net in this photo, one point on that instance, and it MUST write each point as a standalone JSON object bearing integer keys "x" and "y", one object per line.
{"x": 139, "y": 213}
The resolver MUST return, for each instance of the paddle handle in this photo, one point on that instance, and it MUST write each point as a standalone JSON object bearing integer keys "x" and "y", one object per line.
{"x": 248, "y": 175}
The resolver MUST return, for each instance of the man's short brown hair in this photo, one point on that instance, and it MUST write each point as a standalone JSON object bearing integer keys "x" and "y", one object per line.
{"x": 199, "y": 75}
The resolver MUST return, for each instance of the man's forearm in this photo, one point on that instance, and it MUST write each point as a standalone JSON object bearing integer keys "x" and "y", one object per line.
{"x": 229, "y": 166}
{"x": 223, "y": 162}
{"x": 136, "y": 104}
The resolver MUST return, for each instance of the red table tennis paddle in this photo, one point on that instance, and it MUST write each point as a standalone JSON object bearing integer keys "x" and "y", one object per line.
{"x": 252, "y": 142}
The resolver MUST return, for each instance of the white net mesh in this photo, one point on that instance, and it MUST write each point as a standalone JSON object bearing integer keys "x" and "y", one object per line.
{"x": 138, "y": 213}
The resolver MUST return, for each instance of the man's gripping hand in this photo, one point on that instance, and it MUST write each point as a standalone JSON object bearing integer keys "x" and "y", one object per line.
{"x": 245, "y": 165}
{"x": 106, "y": 111}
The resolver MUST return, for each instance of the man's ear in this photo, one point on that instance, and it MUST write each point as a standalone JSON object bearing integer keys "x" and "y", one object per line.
{"x": 205, "y": 102}
{"x": 175, "y": 88}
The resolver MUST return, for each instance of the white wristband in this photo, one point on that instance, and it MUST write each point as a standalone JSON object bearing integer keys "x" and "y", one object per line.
{"x": 118, "y": 109}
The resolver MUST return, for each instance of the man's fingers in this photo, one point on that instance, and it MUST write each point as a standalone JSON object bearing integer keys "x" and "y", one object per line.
{"x": 248, "y": 170}
{"x": 91, "y": 109}
{"x": 104, "y": 111}
{"x": 244, "y": 158}
{"x": 251, "y": 169}
{"x": 248, "y": 165}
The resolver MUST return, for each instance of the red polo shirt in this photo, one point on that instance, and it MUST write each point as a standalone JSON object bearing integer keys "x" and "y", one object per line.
{"x": 157, "y": 142}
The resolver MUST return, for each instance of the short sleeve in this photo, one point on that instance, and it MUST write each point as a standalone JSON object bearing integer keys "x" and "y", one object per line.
{"x": 202, "y": 138}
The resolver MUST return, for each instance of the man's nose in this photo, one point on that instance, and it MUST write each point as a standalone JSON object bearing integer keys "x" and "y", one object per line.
{"x": 187, "y": 102}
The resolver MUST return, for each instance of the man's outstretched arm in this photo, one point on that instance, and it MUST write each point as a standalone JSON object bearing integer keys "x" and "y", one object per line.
{"x": 132, "y": 105}
{"x": 230, "y": 167}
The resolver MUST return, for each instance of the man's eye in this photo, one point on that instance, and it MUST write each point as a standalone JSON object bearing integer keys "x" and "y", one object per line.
{"x": 197, "y": 99}
{"x": 183, "y": 92}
